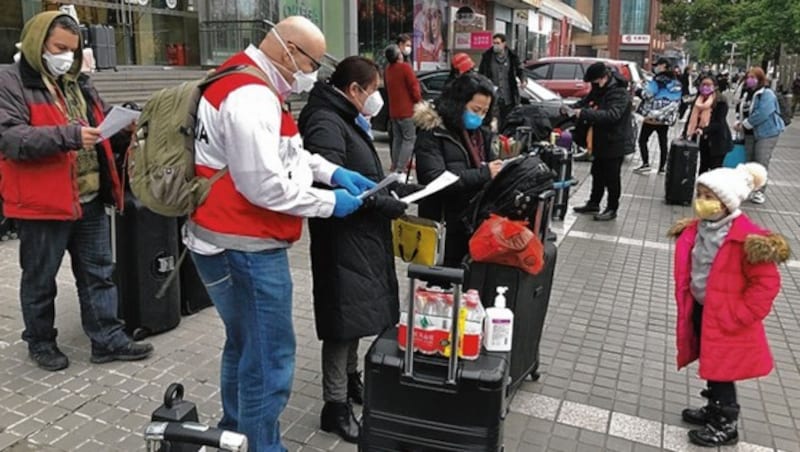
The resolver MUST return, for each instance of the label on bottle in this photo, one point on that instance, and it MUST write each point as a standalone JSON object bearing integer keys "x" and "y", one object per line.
{"x": 501, "y": 332}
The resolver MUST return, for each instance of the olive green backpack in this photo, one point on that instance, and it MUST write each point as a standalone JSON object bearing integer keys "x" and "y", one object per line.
{"x": 161, "y": 156}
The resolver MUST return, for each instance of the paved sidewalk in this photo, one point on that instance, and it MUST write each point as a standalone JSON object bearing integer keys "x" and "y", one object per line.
{"x": 608, "y": 374}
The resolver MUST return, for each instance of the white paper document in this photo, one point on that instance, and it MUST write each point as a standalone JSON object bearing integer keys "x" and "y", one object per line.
{"x": 440, "y": 183}
{"x": 388, "y": 180}
{"x": 117, "y": 119}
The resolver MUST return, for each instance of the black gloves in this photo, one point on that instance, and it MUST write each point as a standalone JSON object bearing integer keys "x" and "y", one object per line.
{"x": 386, "y": 206}
{"x": 404, "y": 190}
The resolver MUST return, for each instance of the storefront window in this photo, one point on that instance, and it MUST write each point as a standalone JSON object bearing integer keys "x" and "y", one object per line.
{"x": 10, "y": 28}
{"x": 635, "y": 17}
{"x": 379, "y": 24}
{"x": 600, "y": 17}
{"x": 228, "y": 26}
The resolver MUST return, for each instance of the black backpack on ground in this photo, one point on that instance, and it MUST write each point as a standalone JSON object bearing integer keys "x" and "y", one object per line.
{"x": 531, "y": 116}
{"x": 513, "y": 193}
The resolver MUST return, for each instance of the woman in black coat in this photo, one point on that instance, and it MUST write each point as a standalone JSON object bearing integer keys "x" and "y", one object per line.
{"x": 355, "y": 285}
{"x": 451, "y": 138}
{"x": 712, "y": 127}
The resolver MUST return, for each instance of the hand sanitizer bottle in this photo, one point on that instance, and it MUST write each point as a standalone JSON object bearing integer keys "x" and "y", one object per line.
{"x": 499, "y": 324}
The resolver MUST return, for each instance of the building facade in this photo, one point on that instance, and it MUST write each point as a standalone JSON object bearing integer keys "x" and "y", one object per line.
{"x": 622, "y": 29}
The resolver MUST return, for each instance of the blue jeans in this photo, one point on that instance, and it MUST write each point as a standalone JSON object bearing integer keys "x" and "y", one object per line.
{"x": 42, "y": 244}
{"x": 253, "y": 295}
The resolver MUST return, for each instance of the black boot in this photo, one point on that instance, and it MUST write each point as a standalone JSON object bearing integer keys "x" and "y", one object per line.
{"x": 699, "y": 416}
{"x": 338, "y": 418}
{"x": 587, "y": 208}
{"x": 606, "y": 215}
{"x": 721, "y": 429}
{"x": 48, "y": 357}
{"x": 355, "y": 388}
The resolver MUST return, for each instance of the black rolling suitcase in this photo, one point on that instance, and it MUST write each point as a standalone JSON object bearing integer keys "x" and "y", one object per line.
{"x": 681, "y": 172}
{"x": 194, "y": 296}
{"x": 528, "y": 297}
{"x": 426, "y": 403}
{"x": 146, "y": 253}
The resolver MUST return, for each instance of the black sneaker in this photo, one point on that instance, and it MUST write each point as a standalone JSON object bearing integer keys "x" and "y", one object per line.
{"x": 131, "y": 352}
{"x": 338, "y": 418}
{"x": 48, "y": 357}
{"x": 587, "y": 208}
{"x": 662, "y": 170}
{"x": 607, "y": 215}
{"x": 645, "y": 168}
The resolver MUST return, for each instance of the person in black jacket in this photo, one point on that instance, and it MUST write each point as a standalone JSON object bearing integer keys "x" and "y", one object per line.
{"x": 352, "y": 263}
{"x": 503, "y": 67}
{"x": 451, "y": 138}
{"x": 708, "y": 121}
{"x": 605, "y": 114}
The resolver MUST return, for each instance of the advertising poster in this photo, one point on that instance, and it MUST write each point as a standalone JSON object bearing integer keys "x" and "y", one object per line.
{"x": 430, "y": 30}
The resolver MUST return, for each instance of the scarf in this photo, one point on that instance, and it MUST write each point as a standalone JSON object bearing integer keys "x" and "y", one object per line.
{"x": 701, "y": 114}
{"x": 710, "y": 236}
{"x": 474, "y": 142}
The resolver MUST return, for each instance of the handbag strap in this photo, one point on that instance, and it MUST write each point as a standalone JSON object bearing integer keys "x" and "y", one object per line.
{"x": 401, "y": 248}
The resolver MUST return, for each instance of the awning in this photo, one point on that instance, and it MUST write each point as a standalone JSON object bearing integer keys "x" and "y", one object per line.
{"x": 519, "y": 4}
{"x": 558, "y": 10}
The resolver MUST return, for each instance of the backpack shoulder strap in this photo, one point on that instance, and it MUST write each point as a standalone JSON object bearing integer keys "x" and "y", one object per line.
{"x": 240, "y": 69}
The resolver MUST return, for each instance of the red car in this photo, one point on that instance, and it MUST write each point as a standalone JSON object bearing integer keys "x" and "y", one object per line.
{"x": 564, "y": 75}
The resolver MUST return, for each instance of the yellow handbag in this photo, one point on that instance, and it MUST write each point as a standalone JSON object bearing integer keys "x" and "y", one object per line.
{"x": 418, "y": 240}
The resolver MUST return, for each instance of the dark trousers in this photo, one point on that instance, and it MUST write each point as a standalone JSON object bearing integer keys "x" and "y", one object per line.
{"x": 644, "y": 137}
{"x": 708, "y": 161}
{"x": 41, "y": 249}
{"x": 723, "y": 392}
{"x": 606, "y": 177}
{"x": 502, "y": 113}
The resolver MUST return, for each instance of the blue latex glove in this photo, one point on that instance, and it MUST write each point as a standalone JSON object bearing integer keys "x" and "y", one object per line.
{"x": 345, "y": 203}
{"x": 354, "y": 182}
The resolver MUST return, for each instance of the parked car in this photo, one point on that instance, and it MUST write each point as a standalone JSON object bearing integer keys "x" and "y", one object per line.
{"x": 564, "y": 75}
{"x": 432, "y": 84}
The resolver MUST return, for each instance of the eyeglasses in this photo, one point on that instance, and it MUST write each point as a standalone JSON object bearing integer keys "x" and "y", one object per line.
{"x": 316, "y": 64}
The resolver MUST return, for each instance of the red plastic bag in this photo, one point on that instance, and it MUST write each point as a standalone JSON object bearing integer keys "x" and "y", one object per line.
{"x": 499, "y": 240}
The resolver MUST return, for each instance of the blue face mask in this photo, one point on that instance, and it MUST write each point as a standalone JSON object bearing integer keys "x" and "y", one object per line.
{"x": 472, "y": 120}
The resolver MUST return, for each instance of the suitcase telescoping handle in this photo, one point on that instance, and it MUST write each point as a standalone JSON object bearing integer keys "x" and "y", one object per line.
{"x": 192, "y": 433}
{"x": 454, "y": 276}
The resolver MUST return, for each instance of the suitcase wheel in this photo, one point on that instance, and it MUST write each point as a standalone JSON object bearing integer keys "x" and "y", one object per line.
{"x": 535, "y": 376}
{"x": 139, "y": 334}
{"x": 5, "y": 237}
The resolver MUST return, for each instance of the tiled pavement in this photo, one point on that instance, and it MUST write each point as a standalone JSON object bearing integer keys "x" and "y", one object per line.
{"x": 608, "y": 375}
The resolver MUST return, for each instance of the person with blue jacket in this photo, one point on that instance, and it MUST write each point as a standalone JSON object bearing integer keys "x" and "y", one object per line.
{"x": 661, "y": 102}
{"x": 763, "y": 119}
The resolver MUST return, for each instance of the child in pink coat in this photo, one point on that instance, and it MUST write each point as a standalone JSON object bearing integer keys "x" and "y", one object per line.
{"x": 726, "y": 278}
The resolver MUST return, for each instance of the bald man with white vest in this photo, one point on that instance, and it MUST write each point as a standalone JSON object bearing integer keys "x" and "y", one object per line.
{"x": 240, "y": 235}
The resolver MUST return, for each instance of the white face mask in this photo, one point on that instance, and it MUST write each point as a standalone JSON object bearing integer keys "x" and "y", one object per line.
{"x": 303, "y": 82}
{"x": 373, "y": 104}
{"x": 407, "y": 50}
{"x": 58, "y": 64}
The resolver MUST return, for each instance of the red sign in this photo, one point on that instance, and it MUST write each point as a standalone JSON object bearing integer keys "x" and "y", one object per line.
{"x": 480, "y": 39}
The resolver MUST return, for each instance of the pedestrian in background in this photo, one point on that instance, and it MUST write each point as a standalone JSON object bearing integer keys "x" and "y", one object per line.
{"x": 605, "y": 115}
{"x": 355, "y": 285}
{"x": 726, "y": 280}
{"x": 662, "y": 92}
{"x": 761, "y": 117}
{"x": 503, "y": 67}
{"x": 402, "y": 88}
{"x": 58, "y": 177}
{"x": 708, "y": 122}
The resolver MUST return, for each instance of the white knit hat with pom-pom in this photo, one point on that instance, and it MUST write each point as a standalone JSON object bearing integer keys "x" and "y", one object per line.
{"x": 734, "y": 185}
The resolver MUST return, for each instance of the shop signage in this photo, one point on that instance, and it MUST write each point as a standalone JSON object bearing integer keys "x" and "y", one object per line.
{"x": 636, "y": 39}
{"x": 310, "y": 9}
{"x": 480, "y": 40}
